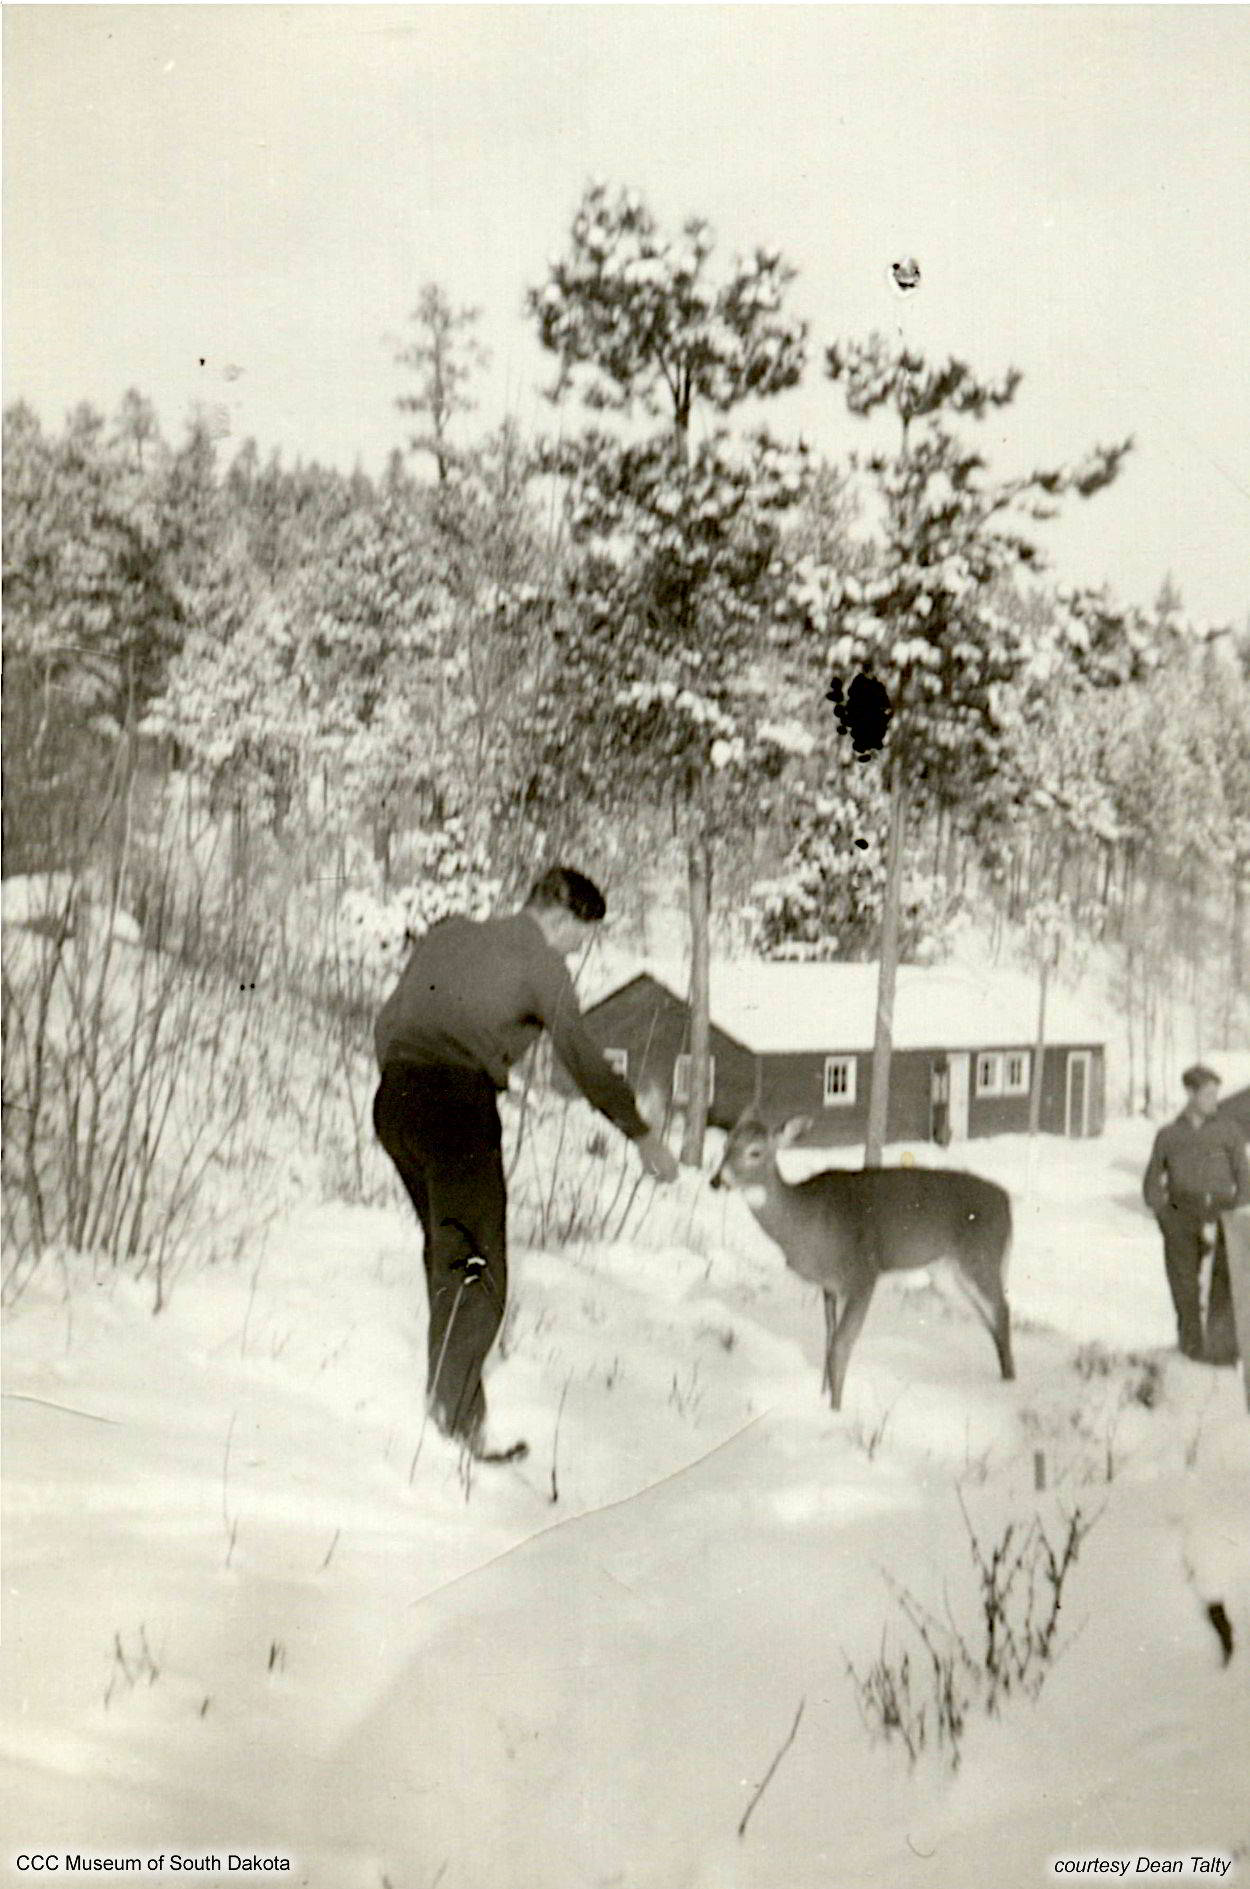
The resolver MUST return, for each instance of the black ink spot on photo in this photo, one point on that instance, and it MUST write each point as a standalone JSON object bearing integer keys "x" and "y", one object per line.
{"x": 862, "y": 711}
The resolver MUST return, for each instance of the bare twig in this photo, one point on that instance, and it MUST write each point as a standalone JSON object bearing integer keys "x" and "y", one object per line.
{"x": 555, "y": 1441}
{"x": 46, "y": 1403}
{"x": 230, "y": 1522}
{"x": 438, "y": 1372}
{"x": 768, "y": 1775}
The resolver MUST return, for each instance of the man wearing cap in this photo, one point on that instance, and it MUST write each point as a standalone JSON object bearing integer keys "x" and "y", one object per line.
{"x": 473, "y": 998}
{"x": 1197, "y": 1171}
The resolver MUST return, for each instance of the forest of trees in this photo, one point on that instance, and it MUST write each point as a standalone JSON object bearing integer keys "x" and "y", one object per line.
{"x": 633, "y": 644}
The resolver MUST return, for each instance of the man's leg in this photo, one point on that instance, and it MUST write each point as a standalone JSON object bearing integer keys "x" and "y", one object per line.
{"x": 1182, "y": 1257}
{"x": 440, "y": 1128}
{"x": 467, "y": 1268}
{"x": 392, "y": 1126}
{"x": 398, "y": 1110}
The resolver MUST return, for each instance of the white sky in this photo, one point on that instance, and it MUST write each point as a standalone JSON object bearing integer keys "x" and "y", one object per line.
{"x": 268, "y": 187}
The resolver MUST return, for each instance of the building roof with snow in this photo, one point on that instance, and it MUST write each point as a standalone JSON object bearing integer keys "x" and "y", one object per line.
{"x": 785, "y": 1008}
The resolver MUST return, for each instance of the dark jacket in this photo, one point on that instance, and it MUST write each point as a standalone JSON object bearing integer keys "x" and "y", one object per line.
{"x": 477, "y": 995}
{"x": 1200, "y": 1167}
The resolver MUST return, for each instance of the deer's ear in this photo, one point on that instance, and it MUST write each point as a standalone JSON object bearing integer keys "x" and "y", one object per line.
{"x": 793, "y": 1130}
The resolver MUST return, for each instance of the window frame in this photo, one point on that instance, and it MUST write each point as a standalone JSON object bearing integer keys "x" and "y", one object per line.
{"x": 1025, "y": 1059}
{"x": 681, "y": 1089}
{"x": 845, "y": 1098}
{"x": 993, "y": 1087}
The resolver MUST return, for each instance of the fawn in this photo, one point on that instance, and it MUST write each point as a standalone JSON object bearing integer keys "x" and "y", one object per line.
{"x": 842, "y": 1228}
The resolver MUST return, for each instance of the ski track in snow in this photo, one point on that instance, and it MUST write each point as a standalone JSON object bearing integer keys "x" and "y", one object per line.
{"x": 237, "y": 1619}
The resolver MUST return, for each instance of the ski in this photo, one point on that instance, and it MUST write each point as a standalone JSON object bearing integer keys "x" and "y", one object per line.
{"x": 516, "y": 1453}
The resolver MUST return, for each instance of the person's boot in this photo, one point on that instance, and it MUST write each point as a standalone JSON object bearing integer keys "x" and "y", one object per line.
{"x": 482, "y": 1452}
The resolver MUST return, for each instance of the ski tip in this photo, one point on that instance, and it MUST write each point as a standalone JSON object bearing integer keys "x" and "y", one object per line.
{"x": 515, "y": 1454}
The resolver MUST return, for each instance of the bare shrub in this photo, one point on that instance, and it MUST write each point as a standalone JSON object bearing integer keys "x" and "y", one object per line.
{"x": 568, "y": 1187}
{"x": 130, "y": 1665}
{"x": 922, "y": 1690}
{"x": 126, "y": 1075}
{"x": 1143, "y": 1377}
{"x": 160, "y": 1089}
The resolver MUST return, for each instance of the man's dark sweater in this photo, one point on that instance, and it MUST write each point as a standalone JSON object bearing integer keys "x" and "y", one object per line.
{"x": 478, "y": 995}
{"x": 1201, "y": 1165}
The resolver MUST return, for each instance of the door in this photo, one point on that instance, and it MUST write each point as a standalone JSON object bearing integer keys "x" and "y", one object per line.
{"x": 939, "y": 1102}
{"x": 1079, "y": 1061}
{"x": 958, "y": 1063}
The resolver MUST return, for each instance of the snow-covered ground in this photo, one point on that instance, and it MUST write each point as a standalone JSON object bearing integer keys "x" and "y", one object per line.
{"x": 250, "y": 1607}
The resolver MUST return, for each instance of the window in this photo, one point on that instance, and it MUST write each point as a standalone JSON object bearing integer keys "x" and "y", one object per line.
{"x": 618, "y": 1059}
{"x": 681, "y": 1080}
{"x": 1016, "y": 1073}
{"x": 1003, "y": 1072}
{"x": 840, "y": 1074}
{"x": 989, "y": 1075}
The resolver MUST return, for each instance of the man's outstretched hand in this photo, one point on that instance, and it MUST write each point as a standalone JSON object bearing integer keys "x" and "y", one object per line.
{"x": 656, "y": 1159}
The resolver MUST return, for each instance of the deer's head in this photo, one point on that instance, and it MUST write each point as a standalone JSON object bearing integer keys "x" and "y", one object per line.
{"x": 751, "y": 1150}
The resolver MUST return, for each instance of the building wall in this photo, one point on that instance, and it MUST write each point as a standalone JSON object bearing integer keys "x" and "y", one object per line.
{"x": 1099, "y": 1118}
{"x": 1055, "y": 1121}
{"x": 795, "y": 1085}
{"x": 1009, "y": 1114}
{"x": 653, "y": 1028}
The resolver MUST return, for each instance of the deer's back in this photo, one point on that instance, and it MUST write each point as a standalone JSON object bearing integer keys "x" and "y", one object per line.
{"x": 895, "y": 1218}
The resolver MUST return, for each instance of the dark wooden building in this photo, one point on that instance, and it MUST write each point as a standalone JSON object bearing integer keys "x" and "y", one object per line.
{"x": 1233, "y": 1069}
{"x": 796, "y": 1039}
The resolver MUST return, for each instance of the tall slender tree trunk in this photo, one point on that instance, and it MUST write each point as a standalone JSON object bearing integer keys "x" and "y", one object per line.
{"x": 1129, "y": 938}
{"x": 1039, "y": 1045}
{"x": 1147, "y": 989}
{"x": 1039, "y": 1065}
{"x": 1238, "y": 969}
{"x": 699, "y": 874}
{"x": 951, "y": 867}
{"x": 879, "y": 1089}
{"x": 699, "y": 880}
{"x": 238, "y": 851}
{"x": 383, "y": 834}
{"x": 1194, "y": 929}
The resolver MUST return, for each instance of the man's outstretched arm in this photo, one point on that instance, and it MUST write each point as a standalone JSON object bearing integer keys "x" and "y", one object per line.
{"x": 558, "y": 1010}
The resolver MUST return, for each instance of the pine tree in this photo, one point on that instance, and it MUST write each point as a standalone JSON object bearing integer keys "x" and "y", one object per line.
{"x": 658, "y": 685}
{"x": 91, "y": 615}
{"x": 935, "y": 655}
{"x": 444, "y": 354}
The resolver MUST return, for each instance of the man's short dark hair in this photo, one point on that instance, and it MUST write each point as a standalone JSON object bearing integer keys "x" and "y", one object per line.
{"x": 1198, "y": 1076}
{"x": 563, "y": 889}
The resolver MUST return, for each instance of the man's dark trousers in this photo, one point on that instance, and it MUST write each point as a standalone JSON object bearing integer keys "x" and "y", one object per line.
{"x": 1184, "y": 1225}
{"x": 440, "y": 1126}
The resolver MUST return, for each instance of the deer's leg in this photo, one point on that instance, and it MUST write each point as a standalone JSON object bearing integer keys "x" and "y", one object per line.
{"x": 1001, "y": 1335}
{"x": 831, "y": 1326}
{"x": 850, "y": 1323}
{"x": 984, "y": 1291}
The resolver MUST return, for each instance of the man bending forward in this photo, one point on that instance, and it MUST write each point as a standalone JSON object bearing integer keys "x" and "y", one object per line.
{"x": 472, "y": 999}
